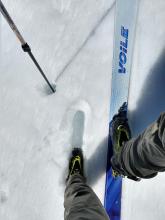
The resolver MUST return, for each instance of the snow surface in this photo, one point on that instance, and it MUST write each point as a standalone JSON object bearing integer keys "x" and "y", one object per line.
{"x": 73, "y": 42}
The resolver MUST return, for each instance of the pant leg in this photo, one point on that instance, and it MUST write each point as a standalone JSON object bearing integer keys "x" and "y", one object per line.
{"x": 80, "y": 202}
{"x": 144, "y": 156}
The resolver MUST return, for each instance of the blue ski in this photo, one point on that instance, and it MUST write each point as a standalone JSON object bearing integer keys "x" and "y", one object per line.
{"x": 125, "y": 25}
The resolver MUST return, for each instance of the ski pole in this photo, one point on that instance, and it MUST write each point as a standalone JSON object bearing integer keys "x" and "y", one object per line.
{"x": 25, "y": 46}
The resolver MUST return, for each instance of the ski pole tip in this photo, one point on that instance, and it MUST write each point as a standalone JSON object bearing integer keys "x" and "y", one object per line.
{"x": 53, "y": 88}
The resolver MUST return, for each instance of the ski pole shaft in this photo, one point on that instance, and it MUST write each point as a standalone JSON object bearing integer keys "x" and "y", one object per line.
{"x": 11, "y": 23}
{"x": 41, "y": 71}
{"x": 25, "y": 46}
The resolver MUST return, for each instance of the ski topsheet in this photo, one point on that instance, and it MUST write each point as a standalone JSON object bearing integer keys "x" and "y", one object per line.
{"x": 125, "y": 24}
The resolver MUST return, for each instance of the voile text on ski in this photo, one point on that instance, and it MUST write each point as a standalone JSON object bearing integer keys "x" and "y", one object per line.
{"x": 123, "y": 50}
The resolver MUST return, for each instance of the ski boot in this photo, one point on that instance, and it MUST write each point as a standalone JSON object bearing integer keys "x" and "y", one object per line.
{"x": 76, "y": 163}
{"x": 120, "y": 133}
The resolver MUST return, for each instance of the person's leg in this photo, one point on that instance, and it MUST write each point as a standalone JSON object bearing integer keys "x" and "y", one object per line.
{"x": 81, "y": 202}
{"x": 143, "y": 156}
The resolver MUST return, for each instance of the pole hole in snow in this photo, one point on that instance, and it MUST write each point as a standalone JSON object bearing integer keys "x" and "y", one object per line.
{"x": 3, "y": 197}
{"x": 46, "y": 90}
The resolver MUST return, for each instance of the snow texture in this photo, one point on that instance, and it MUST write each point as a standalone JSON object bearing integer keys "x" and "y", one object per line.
{"x": 73, "y": 42}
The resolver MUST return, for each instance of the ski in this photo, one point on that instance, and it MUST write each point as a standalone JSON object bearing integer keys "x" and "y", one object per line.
{"x": 124, "y": 34}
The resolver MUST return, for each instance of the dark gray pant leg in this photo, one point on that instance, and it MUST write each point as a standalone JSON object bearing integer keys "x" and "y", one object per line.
{"x": 144, "y": 156}
{"x": 81, "y": 202}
